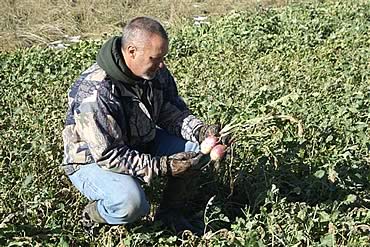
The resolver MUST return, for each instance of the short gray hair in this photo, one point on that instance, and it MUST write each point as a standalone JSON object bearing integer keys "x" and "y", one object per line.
{"x": 138, "y": 26}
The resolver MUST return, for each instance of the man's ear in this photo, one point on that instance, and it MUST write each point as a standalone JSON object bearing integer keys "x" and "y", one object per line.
{"x": 131, "y": 51}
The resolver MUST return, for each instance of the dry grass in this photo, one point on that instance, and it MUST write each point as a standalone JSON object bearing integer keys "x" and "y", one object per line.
{"x": 28, "y": 22}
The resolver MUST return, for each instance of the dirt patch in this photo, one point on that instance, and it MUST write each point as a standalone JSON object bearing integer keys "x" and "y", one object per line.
{"x": 26, "y": 23}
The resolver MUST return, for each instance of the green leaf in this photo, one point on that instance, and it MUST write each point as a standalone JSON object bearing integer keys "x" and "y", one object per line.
{"x": 319, "y": 174}
{"x": 27, "y": 181}
{"x": 328, "y": 240}
{"x": 350, "y": 199}
{"x": 324, "y": 216}
{"x": 329, "y": 138}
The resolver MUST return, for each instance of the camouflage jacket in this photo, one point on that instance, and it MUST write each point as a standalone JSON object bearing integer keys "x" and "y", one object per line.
{"x": 110, "y": 122}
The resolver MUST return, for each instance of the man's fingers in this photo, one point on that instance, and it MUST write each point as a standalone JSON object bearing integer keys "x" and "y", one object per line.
{"x": 195, "y": 160}
{"x": 200, "y": 161}
{"x": 183, "y": 155}
{"x": 213, "y": 130}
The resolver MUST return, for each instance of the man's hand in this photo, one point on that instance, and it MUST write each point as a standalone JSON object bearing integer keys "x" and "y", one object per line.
{"x": 213, "y": 130}
{"x": 178, "y": 164}
{"x": 208, "y": 130}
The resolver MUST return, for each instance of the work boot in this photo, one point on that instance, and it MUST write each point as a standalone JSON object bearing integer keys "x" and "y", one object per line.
{"x": 91, "y": 219}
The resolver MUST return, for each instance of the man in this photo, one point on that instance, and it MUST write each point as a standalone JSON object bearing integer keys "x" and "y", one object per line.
{"x": 126, "y": 123}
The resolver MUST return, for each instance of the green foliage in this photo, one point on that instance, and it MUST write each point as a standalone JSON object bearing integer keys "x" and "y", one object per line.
{"x": 277, "y": 187}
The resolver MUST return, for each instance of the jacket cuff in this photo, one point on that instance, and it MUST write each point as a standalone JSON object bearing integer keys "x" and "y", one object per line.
{"x": 163, "y": 166}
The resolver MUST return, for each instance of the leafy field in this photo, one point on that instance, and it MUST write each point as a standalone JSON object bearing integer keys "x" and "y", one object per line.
{"x": 297, "y": 78}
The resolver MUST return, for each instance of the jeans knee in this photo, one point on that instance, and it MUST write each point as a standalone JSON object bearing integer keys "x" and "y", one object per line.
{"x": 127, "y": 208}
{"x": 136, "y": 210}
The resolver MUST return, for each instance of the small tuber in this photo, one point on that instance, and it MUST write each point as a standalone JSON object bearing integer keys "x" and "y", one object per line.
{"x": 207, "y": 144}
{"x": 218, "y": 152}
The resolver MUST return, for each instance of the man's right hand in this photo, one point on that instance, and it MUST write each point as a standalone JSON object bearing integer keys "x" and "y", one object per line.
{"x": 178, "y": 164}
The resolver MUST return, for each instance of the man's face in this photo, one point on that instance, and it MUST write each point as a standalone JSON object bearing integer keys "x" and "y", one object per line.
{"x": 147, "y": 58}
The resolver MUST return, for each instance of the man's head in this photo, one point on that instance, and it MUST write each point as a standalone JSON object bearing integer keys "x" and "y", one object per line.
{"x": 144, "y": 45}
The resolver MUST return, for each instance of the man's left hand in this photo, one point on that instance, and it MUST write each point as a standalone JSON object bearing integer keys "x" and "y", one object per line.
{"x": 208, "y": 130}
{"x": 213, "y": 130}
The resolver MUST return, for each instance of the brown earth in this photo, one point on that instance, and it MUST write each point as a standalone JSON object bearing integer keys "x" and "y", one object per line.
{"x": 26, "y": 23}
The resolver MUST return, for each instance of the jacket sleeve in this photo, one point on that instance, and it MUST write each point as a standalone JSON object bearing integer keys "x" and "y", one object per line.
{"x": 96, "y": 123}
{"x": 175, "y": 116}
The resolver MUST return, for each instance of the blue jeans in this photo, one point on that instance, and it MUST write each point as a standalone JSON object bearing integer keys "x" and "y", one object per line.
{"x": 120, "y": 198}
